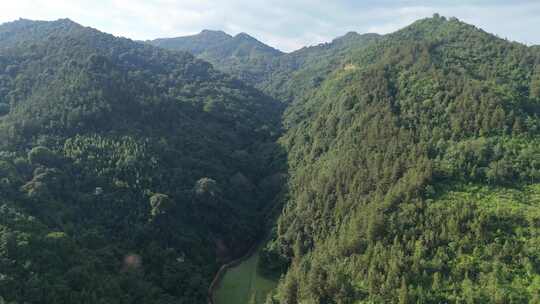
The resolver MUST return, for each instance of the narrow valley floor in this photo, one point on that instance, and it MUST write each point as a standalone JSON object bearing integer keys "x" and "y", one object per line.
{"x": 243, "y": 284}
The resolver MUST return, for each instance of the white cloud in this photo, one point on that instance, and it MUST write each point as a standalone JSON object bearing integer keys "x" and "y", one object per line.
{"x": 286, "y": 24}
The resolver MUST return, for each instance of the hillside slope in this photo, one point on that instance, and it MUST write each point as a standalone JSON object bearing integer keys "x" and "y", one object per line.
{"x": 414, "y": 174}
{"x": 281, "y": 75}
{"x": 128, "y": 172}
{"x": 242, "y": 55}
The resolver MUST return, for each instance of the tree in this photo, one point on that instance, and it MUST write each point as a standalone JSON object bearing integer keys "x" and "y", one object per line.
{"x": 8, "y": 173}
{"x": 499, "y": 171}
{"x": 468, "y": 290}
{"x": 160, "y": 204}
{"x": 206, "y": 187}
{"x": 240, "y": 182}
{"x": 36, "y": 190}
{"x": 535, "y": 84}
{"x": 436, "y": 284}
{"x": 213, "y": 106}
{"x": 4, "y": 109}
{"x": 403, "y": 292}
{"x": 41, "y": 155}
{"x": 44, "y": 184}
{"x": 288, "y": 292}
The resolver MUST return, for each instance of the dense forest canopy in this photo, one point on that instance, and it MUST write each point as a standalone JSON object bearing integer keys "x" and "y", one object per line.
{"x": 402, "y": 168}
{"x": 282, "y": 75}
{"x": 415, "y": 171}
{"x": 104, "y": 145}
{"x": 241, "y": 55}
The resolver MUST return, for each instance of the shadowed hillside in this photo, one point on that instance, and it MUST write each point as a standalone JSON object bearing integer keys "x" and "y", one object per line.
{"x": 128, "y": 173}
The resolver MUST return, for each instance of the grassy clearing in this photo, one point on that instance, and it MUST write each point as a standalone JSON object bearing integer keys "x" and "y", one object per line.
{"x": 244, "y": 285}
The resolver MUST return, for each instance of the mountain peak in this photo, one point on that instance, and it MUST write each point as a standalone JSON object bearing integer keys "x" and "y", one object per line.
{"x": 213, "y": 33}
{"x": 354, "y": 36}
{"x": 25, "y": 30}
{"x": 351, "y": 34}
{"x": 66, "y": 21}
{"x": 244, "y": 36}
{"x": 439, "y": 27}
{"x": 22, "y": 22}
{"x": 246, "y": 39}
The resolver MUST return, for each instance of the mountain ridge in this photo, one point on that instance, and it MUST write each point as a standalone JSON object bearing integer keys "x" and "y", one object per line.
{"x": 397, "y": 162}
{"x": 265, "y": 67}
{"x": 400, "y": 168}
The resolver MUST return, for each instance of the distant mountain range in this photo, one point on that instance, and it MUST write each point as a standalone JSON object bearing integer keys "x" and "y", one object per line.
{"x": 261, "y": 65}
{"x": 240, "y": 55}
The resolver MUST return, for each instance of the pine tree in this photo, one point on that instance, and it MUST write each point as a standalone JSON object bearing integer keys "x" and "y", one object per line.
{"x": 403, "y": 292}
{"x": 436, "y": 285}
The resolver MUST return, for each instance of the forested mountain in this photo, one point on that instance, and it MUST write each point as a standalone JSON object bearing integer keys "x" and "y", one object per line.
{"x": 242, "y": 55}
{"x": 128, "y": 173}
{"x": 415, "y": 174}
{"x": 205, "y": 41}
{"x": 414, "y": 164}
{"x": 295, "y": 74}
{"x": 282, "y": 75}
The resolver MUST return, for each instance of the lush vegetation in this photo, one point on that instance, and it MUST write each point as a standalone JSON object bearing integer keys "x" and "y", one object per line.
{"x": 245, "y": 284}
{"x": 414, "y": 171}
{"x": 242, "y": 55}
{"x": 128, "y": 173}
{"x": 285, "y": 76}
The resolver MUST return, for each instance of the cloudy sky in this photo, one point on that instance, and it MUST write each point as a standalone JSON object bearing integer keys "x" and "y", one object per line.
{"x": 285, "y": 24}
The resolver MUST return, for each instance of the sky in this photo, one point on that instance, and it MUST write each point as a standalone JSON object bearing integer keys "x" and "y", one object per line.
{"x": 285, "y": 24}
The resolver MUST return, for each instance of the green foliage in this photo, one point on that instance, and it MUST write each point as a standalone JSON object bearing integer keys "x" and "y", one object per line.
{"x": 370, "y": 150}
{"x": 160, "y": 204}
{"x": 100, "y": 147}
{"x": 44, "y": 184}
{"x": 206, "y": 187}
{"x": 242, "y": 55}
{"x": 282, "y": 75}
{"x": 42, "y": 156}
{"x": 244, "y": 284}
{"x": 413, "y": 166}
{"x": 4, "y": 109}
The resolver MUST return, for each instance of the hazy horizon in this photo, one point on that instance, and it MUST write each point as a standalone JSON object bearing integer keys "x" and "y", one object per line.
{"x": 295, "y": 24}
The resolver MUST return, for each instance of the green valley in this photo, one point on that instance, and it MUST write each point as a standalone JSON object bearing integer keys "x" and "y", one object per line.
{"x": 244, "y": 284}
{"x": 398, "y": 168}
